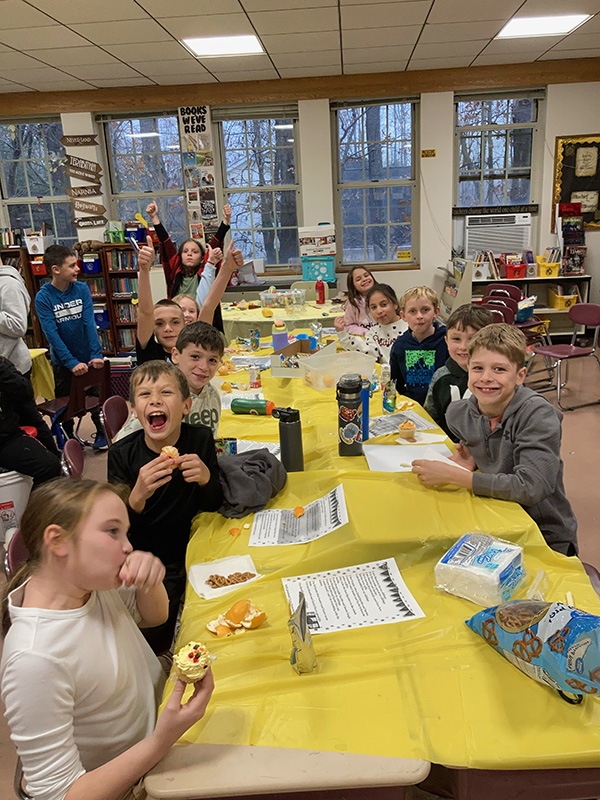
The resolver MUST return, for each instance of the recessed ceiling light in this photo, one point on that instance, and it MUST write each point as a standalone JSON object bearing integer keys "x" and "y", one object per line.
{"x": 141, "y": 135}
{"x": 289, "y": 127}
{"x": 542, "y": 26}
{"x": 213, "y": 46}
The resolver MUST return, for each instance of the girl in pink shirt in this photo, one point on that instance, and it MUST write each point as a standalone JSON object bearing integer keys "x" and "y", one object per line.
{"x": 356, "y": 318}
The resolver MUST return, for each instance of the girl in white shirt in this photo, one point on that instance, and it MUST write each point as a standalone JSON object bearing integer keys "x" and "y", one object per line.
{"x": 384, "y": 308}
{"x": 79, "y": 682}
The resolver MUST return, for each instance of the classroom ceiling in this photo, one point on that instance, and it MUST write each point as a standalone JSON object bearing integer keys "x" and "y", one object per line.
{"x": 63, "y": 45}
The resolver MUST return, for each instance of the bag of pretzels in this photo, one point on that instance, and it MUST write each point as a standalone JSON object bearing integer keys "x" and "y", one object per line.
{"x": 553, "y": 643}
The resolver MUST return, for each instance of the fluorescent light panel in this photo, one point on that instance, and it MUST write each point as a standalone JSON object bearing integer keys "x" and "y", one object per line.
{"x": 219, "y": 46}
{"x": 541, "y": 26}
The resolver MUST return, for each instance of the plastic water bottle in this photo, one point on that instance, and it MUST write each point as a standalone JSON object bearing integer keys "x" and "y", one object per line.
{"x": 389, "y": 390}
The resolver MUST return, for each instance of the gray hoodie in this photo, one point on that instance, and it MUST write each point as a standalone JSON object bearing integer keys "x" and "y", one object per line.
{"x": 14, "y": 307}
{"x": 520, "y": 460}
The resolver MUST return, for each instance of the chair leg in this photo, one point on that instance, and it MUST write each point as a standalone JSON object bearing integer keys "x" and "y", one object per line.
{"x": 541, "y": 384}
{"x": 580, "y": 405}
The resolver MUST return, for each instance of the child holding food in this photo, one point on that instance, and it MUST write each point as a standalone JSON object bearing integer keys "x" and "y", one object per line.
{"x": 79, "y": 682}
{"x": 422, "y": 349}
{"x": 384, "y": 309}
{"x": 356, "y": 316}
{"x": 450, "y": 381}
{"x": 511, "y": 434}
{"x": 167, "y": 490}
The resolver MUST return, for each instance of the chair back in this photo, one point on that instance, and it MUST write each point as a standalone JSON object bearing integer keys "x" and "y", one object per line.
{"x": 587, "y": 314}
{"x": 79, "y": 402}
{"x": 500, "y": 313}
{"x": 115, "y": 414}
{"x": 504, "y": 289}
{"x": 310, "y": 289}
{"x": 74, "y": 459}
{"x": 503, "y": 300}
{"x": 16, "y": 552}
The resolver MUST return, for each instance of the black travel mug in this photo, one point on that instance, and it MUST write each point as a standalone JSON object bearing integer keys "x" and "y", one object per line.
{"x": 290, "y": 438}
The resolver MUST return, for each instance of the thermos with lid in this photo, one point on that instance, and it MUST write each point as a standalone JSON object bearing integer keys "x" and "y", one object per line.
{"x": 290, "y": 438}
{"x": 348, "y": 393}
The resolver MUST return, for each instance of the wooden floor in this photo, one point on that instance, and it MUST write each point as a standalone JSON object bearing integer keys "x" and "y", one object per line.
{"x": 580, "y": 452}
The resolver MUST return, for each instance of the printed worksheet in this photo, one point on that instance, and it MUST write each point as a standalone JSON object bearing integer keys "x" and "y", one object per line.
{"x": 389, "y": 423}
{"x": 277, "y": 526}
{"x": 353, "y": 597}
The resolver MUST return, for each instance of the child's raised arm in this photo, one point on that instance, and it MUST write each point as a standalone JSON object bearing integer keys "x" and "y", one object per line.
{"x": 145, "y": 323}
{"x": 233, "y": 261}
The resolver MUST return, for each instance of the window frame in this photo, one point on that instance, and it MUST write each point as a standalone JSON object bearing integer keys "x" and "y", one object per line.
{"x": 413, "y": 182}
{"x": 536, "y": 143}
{"x": 224, "y": 114}
{"x": 33, "y": 200}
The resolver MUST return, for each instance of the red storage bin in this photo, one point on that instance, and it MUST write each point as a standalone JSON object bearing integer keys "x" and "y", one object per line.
{"x": 38, "y": 268}
{"x": 512, "y": 271}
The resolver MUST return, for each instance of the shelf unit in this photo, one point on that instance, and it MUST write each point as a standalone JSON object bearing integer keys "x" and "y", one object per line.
{"x": 18, "y": 257}
{"x": 120, "y": 280}
{"x": 560, "y": 324}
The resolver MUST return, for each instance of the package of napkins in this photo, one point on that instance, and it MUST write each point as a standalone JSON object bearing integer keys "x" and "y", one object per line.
{"x": 481, "y": 568}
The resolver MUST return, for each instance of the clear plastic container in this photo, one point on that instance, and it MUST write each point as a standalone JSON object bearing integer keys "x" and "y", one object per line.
{"x": 323, "y": 371}
{"x": 283, "y": 298}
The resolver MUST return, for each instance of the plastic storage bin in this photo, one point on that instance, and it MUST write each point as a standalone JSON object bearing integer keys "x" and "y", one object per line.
{"x": 38, "y": 267}
{"x": 323, "y": 372}
{"x": 315, "y": 268}
{"x": 547, "y": 269}
{"x": 91, "y": 263}
{"x": 512, "y": 271}
{"x": 561, "y": 301}
{"x": 283, "y": 298}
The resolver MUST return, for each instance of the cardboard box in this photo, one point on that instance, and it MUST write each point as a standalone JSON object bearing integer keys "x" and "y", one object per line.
{"x": 317, "y": 240}
{"x": 299, "y": 346}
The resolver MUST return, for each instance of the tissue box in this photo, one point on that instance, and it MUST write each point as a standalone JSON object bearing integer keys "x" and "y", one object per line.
{"x": 481, "y": 568}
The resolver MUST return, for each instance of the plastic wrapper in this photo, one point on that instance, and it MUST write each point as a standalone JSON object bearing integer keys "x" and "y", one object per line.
{"x": 553, "y": 643}
{"x": 302, "y": 657}
{"x": 481, "y": 568}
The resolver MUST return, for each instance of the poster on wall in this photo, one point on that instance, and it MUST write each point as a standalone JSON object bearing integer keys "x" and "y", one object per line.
{"x": 198, "y": 169}
{"x": 577, "y": 177}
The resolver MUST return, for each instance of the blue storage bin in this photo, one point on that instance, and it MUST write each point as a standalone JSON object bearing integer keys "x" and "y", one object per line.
{"x": 91, "y": 263}
{"x": 315, "y": 268}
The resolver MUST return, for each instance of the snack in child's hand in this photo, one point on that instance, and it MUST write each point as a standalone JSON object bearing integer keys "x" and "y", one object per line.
{"x": 241, "y": 616}
{"x": 171, "y": 452}
{"x": 192, "y": 662}
{"x": 407, "y": 430}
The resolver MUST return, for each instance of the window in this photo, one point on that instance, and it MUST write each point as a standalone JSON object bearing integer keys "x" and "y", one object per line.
{"x": 33, "y": 178}
{"x": 145, "y": 164}
{"x": 494, "y": 150}
{"x": 258, "y": 161}
{"x": 376, "y": 182}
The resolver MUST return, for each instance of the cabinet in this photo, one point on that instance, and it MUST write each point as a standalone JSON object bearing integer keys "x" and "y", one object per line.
{"x": 18, "y": 257}
{"x": 558, "y": 320}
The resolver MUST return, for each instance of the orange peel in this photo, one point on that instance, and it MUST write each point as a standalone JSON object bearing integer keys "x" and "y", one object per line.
{"x": 234, "y": 531}
{"x": 242, "y": 615}
{"x": 299, "y": 511}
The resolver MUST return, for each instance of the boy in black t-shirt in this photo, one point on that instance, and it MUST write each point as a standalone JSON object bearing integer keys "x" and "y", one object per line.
{"x": 166, "y": 492}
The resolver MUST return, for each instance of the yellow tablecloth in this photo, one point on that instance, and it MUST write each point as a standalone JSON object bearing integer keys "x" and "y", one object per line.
{"x": 427, "y": 688}
{"x": 42, "y": 377}
{"x": 239, "y": 323}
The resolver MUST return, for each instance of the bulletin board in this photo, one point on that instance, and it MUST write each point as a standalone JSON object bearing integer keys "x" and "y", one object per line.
{"x": 577, "y": 176}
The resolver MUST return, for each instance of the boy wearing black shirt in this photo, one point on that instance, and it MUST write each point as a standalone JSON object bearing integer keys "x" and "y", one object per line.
{"x": 167, "y": 492}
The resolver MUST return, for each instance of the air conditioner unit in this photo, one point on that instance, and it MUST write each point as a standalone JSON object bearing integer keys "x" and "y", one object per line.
{"x": 500, "y": 233}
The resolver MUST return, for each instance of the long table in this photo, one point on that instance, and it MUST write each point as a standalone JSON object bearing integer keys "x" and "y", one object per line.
{"x": 239, "y": 322}
{"x": 416, "y": 692}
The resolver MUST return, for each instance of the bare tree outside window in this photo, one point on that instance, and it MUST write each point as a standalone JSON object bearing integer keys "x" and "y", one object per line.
{"x": 33, "y": 178}
{"x": 494, "y": 150}
{"x": 259, "y": 177}
{"x": 375, "y": 181}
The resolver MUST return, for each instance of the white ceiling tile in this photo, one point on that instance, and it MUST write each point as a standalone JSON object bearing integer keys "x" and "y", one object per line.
{"x": 378, "y": 66}
{"x": 186, "y": 8}
{"x": 518, "y": 46}
{"x": 209, "y": 25}
{"x": 237, "y": 63}
{"x": 142, "y": 52}
{"x": 286, "y": 5}
{"x": 362, "y": 2}
{"x": 17, "y": 14}
{"x": 6, "y": 87}
{"x": 71, "y": 56}
{"x": 591, "y": 26}
{"x": 439, "y": 63}
{"x": 158, "y": 69}
{"x": 365, "y": 55}
{"x": 5, "y": 49}
{"x": 141, "y": 30}
{"x": 555, "y": 55}
{"x": 257, "y": 75}
{"x": 174, "y": 80}
{"x": 297, "y": 42}
{"x": 107, "y": 83}
{"x": 309, "y": 72}
{"x": 469, "y": 10}
{"x": 28, "y": 75}
{"x": 297, "y": 21}
{"x": 69, "y": 12}
{"x": 47, "y": 37}
{"x": 460, "y": 31}
{"x": 66, "y": 85}
{"x": 449, "y": 49}
{"x": 91, "y": 71}
{"x": 317, "y": 58}
{"x": 586, "y": 41}
{"x": 383, "y": 15}
{"x": 538, "y": 8}
{"x": 523, "y": 57}
{"x": 384, "y": 37}
{"x": 14, "y": 60}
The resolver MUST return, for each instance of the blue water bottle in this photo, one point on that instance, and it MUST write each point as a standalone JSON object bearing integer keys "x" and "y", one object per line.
{"x": 365, "y": 394}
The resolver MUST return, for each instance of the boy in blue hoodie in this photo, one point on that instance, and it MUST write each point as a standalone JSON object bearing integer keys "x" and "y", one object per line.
{"x": 66, "y": 313}
{"x": 422, "y": 349}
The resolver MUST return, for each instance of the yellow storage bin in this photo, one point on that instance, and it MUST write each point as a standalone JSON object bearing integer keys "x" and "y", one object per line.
{"x": 562, "y": 302}
{"x": 547, "y": 269}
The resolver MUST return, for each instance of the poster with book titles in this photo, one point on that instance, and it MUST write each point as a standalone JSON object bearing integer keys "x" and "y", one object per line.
{"x": 198, "y": 169}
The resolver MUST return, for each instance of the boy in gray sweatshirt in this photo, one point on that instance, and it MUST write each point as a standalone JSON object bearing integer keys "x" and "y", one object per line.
{"x": 511, "y": 434}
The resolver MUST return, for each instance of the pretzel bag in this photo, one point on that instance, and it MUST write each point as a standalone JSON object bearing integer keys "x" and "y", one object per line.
{"x": 552, "y": 643}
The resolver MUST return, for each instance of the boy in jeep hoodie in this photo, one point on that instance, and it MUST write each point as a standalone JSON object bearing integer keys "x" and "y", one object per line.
{"x": 512, "y": 435}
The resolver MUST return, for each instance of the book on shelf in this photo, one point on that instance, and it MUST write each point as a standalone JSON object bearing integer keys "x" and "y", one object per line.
{"x": 124, "y": 287}
{"x": 574, "y": 261}
{"x": 126, "y": 337}
{"x": 552, "y": 255}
